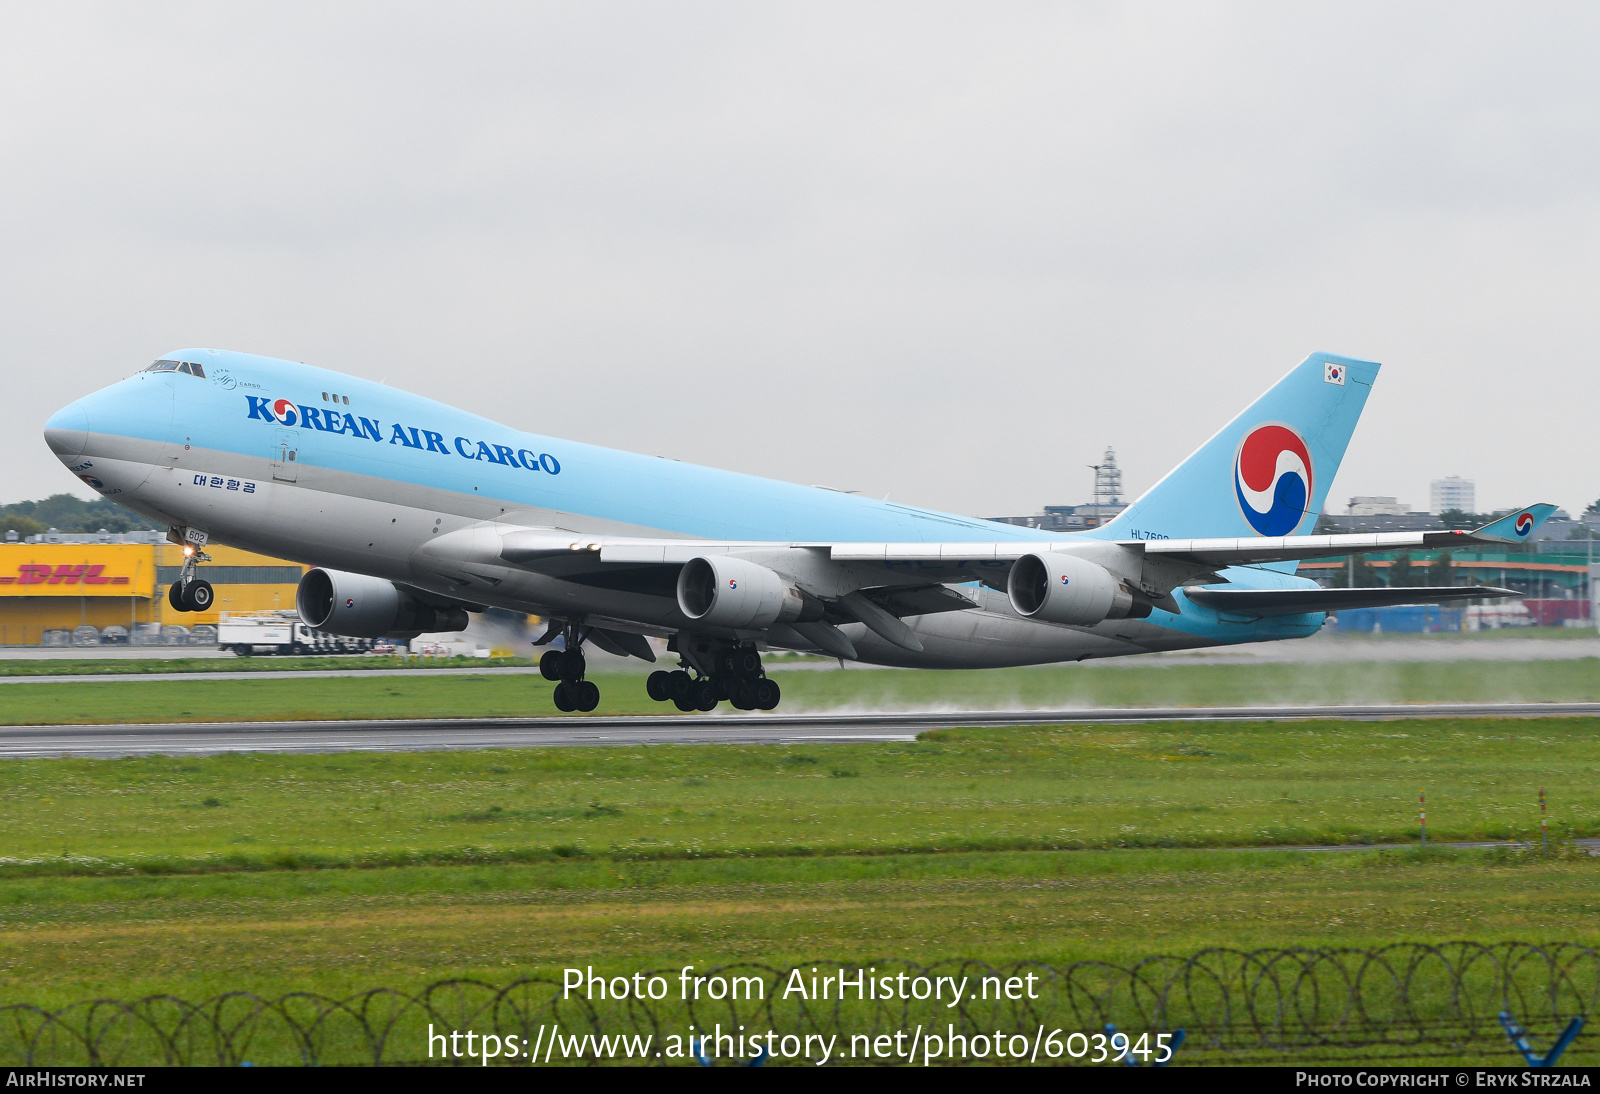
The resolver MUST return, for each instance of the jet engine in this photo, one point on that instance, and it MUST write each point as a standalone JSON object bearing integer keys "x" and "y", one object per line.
{"x": 1063, "y": 588}
{"x": 740, "y": 594}
{"x": 358, "y": 606}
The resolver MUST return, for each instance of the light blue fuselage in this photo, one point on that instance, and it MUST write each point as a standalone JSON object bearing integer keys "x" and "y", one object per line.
{"x": 369, "y": 483}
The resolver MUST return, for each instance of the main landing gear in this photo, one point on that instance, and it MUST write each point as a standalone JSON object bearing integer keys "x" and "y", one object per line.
{"x": 735, "y": 675}
{"x": 190, "y": 593}
{"x": 567, "y": 667}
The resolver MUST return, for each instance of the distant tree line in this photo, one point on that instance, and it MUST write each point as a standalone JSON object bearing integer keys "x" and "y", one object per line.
{"x": 67, "y": 513}
{"x": 1450, "y": 518}
{"x": 1403, "y": 572}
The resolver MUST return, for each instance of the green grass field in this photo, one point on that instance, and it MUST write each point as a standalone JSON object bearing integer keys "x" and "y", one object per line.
{"x": 1157, "y": 785}
{"x": 344, "y": 871}
{"x": 338, "y": 931}
{"x": 341, "y": 872}
{"x": 519, "y": 695}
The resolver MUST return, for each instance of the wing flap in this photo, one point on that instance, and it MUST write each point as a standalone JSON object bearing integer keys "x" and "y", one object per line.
{"x": 1298, "y": 601}
{"x": 934, "y": 552}
{"x": 1239, "y": 552}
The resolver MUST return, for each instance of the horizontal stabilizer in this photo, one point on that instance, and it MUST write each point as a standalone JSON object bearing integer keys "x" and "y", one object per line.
{"x": 1298, "y": 601}
{"x": 1513, "y": 528}
{"x": 1516, "y": 526}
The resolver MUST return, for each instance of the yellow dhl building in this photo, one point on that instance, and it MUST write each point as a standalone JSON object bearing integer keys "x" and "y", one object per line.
{"x": 62, "y": 586}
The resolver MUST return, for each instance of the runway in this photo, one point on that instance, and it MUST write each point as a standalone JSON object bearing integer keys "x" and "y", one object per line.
{"x": 391, "y": 735}
{"x": 1320, "y": 650}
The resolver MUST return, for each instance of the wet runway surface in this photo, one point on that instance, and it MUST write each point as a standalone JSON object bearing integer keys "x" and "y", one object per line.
{"x": 378, "y": 735}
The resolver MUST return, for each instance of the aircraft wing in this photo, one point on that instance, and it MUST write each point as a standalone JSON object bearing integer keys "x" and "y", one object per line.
{"x": 1266, "y": 602}
{"x": 879, "y": 583}
{"x": 927, "y": 557}
{"x": 649, "y": 565}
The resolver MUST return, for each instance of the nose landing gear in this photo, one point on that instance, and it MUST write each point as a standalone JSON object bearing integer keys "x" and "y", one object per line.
{"x": 190, "y": 593}
{"x": 567, "y": 667}
{"x": 735, "y": 675}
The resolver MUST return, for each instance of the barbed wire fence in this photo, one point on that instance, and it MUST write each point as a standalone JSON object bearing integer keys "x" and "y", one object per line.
{"x": 1395, "y": 1004}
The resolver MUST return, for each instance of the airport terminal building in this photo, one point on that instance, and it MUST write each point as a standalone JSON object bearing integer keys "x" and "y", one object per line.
{"x": 118, "y": 583}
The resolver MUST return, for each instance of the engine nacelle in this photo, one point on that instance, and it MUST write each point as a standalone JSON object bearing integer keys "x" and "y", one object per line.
{"x": 1063, "y": 588}
{"x": 358, "y": 606}
{"x": 739, "y": 594}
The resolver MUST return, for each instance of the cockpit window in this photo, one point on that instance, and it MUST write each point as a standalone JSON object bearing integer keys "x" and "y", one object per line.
{"x": 190, "y": 367}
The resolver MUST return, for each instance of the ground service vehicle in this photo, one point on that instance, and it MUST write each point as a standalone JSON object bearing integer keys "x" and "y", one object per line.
{"x": 247, "y": 633}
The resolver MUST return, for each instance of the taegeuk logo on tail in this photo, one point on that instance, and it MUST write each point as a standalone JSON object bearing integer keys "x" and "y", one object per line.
{"x": 1272, "y": 478}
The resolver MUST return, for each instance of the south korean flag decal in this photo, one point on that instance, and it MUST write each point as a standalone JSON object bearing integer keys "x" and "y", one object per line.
{"x": 1332, "y": 373}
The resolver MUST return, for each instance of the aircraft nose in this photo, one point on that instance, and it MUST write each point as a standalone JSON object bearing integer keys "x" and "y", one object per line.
{"x": 67, "y": 432}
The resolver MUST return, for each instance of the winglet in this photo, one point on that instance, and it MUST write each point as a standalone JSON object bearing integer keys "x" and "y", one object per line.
{"x": 1516, "y": 526}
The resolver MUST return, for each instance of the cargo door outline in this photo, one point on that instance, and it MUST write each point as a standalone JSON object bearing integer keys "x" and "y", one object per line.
{"x": 172, "y": 448}
{"x": 286, "y": 455}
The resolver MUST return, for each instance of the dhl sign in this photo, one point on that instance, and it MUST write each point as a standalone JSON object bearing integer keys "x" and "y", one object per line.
{"x": 110, "y": 569}
{"x": 64, "y": 574}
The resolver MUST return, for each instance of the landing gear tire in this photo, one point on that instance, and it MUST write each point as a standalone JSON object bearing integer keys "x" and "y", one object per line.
{"x": 563, "y": 697}
{"x": 200, "y": 597}
{"x": 684, "y": 690}
{"x": 741, "y": 662}
{"x": 567, "y": 665}
{"x": 585, "y": 696}
{"x": 573, "y": 665}
{"x": 706, "y": 695}
{"x": 743, "y": 695}
{"x": 176, "y": 598}
{"x": 767, "y": 695}
{"x": 659, "y": 685}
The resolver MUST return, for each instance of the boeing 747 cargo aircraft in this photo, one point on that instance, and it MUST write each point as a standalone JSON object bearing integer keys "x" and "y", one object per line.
{"x": 414, "y": 514}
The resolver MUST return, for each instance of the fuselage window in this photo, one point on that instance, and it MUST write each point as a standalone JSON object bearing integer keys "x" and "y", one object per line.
{"x": 324, "y": 396}
{"x": 347, "y": 400}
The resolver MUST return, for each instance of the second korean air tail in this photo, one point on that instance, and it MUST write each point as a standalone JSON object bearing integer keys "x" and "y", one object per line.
{"x": 1267, "y": 472}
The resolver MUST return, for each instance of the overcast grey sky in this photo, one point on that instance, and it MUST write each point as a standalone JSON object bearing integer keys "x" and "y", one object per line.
{"x": 941, "y": 252}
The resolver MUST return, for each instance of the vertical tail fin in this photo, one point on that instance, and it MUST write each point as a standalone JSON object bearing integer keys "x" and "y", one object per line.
{"x": 1267, "y": 472}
